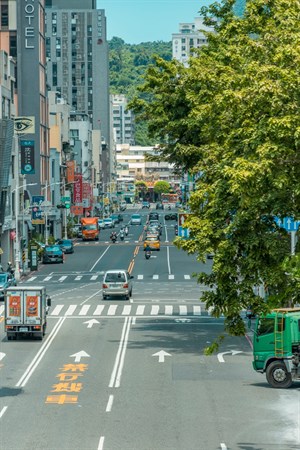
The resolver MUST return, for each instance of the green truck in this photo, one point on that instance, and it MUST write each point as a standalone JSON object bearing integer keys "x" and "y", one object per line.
{"x": 276, "y": 346}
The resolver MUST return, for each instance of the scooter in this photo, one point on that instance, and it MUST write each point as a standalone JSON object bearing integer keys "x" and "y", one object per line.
{"x": 122, "y": 236}
{"x": 147, "y": 254}
{"x": 113, "y": 238}
{"x": 126, "y": 231}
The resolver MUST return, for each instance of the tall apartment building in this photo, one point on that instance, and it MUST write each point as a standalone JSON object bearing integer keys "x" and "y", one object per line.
{"x": 188, "y": 37}
{"x": 77, "y": 61}
{"x": 123, "y": 120}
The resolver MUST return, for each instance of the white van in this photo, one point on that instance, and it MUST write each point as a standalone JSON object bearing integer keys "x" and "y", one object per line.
{"x": 117, "y": 283}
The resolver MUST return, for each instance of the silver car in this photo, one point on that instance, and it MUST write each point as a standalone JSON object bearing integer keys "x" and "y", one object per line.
{"x": 136, "y": 219}
{"x": 117, "y": 283}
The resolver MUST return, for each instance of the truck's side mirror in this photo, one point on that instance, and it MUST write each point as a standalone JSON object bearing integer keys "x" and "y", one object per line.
{"x": 48, "y": 301}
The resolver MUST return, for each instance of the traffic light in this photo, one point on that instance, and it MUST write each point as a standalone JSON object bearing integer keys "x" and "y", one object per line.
{"x": 67, "y": 205}
{"x": 61, "y": 206}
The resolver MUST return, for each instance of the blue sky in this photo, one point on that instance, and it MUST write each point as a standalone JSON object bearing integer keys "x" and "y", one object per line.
{"x": 137, "y": 21}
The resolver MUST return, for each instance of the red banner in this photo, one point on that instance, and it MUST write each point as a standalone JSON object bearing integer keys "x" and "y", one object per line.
{"x": 77, "y": 210}
{"x": 86, "y": 191}
{"x": 70, "y": 171}
{"x": 78, "y": 188}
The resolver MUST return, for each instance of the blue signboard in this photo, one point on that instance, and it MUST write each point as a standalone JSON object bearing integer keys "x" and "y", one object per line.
{"x": 27, "y": 157}
{"x": 288, "y": 223}
{"x": 37, "y": 199}
{"x": 183, "y": 232}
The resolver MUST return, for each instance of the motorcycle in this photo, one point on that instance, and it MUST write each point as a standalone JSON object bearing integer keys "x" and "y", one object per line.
{"x": 113, "y": 238}
{"x": 147, "y": 254}
{"x": 126, "y": 231}
{"x": 122, "y": 236}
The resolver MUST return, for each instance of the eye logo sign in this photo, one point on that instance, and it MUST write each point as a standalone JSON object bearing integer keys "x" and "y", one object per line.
{"x": 25, "y": 125}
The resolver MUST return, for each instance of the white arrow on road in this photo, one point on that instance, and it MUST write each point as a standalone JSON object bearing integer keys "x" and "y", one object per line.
{"x": 161, "y": 355}
{"x": 2, "y": 355}
{"x": 80, "y": 355}
{"x": 183, "y": 320}
{"x": 91, "y": 322}
{"x": 232, "y": 352}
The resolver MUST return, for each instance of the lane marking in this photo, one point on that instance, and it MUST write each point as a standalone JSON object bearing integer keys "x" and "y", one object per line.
{"x": 223, "y": 446}
{"x": 197, "y": 310}
{"x": 155, "y": 277}
{"x": 91, "y": 296}
{"x": 126, "y": 310}
{"x": 70, "y": 310}
{"x": 168, "y": 260}
{"x": 154, "y": 310}
{"x": 30, "y": 279}
{"x": 3, "y": 411}
{"x": 94, "y": 277}
{"x": 171, "y": 277}
{"x": 98, "y": 310}
{"x": 84, "y": 310}
{"x": 57, "y": 310}
{"x": 101, "y": 443}
{"x": 92, "y": 268}
{"x": 187, "y": 277}
{"x": 38, "y": 357}
{"x": 109, "y": 403}
{"x": 182, "y": 310}
{"x": 140, "y": 277}
{"x": 47, "y": 278}
{"x": 63, "y": 278}
{"x": 119, "y": 352}
{"x": 140, "y": 310}
{"x": 169, "y": 310}
{"x": 1, "y": 309}
{"x": 122, "y": 359}
{"x": 78, "y": 278}
{"x": 112, "y": 310}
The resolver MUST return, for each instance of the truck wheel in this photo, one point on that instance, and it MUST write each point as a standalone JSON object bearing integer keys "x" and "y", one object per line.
{"x": 278, "y": 376}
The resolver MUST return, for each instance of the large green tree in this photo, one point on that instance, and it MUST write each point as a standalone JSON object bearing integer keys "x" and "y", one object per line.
{"x": 233, "y": 119}
{"x": 161, "y": 187}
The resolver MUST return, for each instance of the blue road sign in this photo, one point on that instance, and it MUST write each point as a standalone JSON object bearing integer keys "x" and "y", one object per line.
{"x": 183, "y": 232}
{"x": 288, "y": 223}
{"x": 37, "y": 199}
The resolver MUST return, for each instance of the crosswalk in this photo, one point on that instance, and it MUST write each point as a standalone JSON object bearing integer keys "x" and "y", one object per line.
{"x": 98, "y": 277}
{"x": 137, "y": 310}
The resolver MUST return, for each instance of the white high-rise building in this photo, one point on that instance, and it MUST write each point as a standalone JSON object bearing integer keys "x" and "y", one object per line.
{"x": 123, "y": 120}
{"x": 188, "y": 37}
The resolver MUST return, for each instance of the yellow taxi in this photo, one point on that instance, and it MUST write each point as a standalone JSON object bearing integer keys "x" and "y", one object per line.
{"x": 152, "y": 241}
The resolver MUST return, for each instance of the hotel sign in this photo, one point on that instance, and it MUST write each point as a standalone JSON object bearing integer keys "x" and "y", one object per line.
{"x": 29, "y": 32}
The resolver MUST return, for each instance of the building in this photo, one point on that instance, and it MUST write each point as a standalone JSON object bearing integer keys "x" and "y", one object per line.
{"x": 123, "y": 120}
{"x": 77, "y": 61}
{"x": 239, "y": 7}
{"x": 189, "y": 37}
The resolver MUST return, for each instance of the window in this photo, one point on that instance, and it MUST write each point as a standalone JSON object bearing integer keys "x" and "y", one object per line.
{"x": 265, "y": 326}
{"x": 4, "y": 15}
{"x": 13, "y": 44}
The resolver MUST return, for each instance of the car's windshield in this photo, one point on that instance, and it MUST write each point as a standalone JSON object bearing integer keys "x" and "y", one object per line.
{"x": 151, "y": 238}
{"x": 54, "y": 248}
{"x": 115, "y": 277}
{"x": 3, "y": 278}
{"x": 135, "y": 216}
{"x": 107, "y": 220}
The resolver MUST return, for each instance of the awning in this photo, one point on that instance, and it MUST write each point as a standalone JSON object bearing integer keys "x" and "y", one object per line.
{"x": 29, "y": 224}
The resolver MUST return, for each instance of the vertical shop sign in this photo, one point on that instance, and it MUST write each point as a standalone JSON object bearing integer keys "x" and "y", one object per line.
{"x": 27, "y": 158}
{"x": 78, "y": 188}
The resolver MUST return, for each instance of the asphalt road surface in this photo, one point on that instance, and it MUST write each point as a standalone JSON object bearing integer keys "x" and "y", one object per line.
{"x": 132, "y": 375}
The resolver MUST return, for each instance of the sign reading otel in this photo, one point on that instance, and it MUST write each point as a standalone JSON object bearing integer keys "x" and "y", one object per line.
{"x": 29, "y": 10}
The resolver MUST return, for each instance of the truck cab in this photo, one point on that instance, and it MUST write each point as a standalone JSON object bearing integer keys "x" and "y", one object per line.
{"x": 276, "y": 346}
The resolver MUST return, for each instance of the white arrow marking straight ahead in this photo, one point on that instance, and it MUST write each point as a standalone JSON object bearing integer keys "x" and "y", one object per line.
{"x": 80, "y": 355}
{"x": 2, "y": 355}
{"x": 232, "y": 352}
{"x": 161, "y": 355}
{"x": 91, "y": 322}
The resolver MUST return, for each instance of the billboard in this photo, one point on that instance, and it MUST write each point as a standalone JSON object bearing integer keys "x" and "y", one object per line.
{"x": 70, "y": 171}
{"x": 24, "y": 125}
{"x": 77, "y": 188}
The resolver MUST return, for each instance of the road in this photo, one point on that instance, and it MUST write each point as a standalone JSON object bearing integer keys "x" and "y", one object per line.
{"x": 132, "y": 375}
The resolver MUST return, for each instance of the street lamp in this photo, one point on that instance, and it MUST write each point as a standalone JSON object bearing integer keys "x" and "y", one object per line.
{"x": 17, "y": 240}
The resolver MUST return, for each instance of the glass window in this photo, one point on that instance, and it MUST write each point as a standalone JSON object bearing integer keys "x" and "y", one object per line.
{"x": 265, "y": 326}
{"x": 4, "y": 15}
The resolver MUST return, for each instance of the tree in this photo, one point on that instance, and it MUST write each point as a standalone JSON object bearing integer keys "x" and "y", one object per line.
{"x": 232, "y": 118}
{"x": 141, "y": 188}
{"x": 161, "y": 187}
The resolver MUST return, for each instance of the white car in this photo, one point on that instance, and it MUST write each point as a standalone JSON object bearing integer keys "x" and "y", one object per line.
{"x": 136, "y": 219}
{"x": 101, "y": 224}
{"x": 109, "y": 223}
{"x": 117, "y": 283}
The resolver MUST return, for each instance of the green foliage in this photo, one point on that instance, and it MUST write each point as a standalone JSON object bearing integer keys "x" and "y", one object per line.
{"x": 127, "y": 65}
{"x": 232, "y": 119}
{"x": 161, "y": 187}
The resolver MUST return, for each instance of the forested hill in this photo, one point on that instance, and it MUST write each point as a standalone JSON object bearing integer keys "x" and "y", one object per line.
{"x": 128, "y": 62}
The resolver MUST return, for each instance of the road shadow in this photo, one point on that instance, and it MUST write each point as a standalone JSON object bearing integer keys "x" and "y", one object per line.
{"x": 10, "y": 392}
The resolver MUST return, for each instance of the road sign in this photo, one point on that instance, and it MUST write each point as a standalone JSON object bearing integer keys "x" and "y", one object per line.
{"x": 182, "y": 231}
{"x": 288, "y": 223}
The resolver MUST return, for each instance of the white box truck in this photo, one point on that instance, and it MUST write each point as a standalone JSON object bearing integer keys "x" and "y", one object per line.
{"x": 26, "y": 310}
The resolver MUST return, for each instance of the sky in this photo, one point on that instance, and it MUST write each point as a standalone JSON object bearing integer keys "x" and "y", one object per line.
{"x": 137, "y": 21}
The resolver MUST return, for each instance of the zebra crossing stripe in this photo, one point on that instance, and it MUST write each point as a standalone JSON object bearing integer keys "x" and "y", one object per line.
{"x": 57, "y": 310}
{"x": 126, "y": 310}
{"x": 140, "y": 310}
{"x": 140, "y": 277}
{"x": 171, "y": 277}
{"x": 94, "y": 277}
{"x": 70, "y": 310}
{"x": 78, "y": 278}
{"x": 31, "y": 279}
{"x": 168, "y": 310}
{"x": 98, "y": 310}
{"x": 84, "y": 310}
{"x": 63, "y": 278}
{"x": 187, "y": 277}
{"x": 47, "y": 278}
{"x": 112, "y": 310}
{"x": 182, "y": 310}
{"x": 197, "y": 310}
{"x": 155, "y": 277}
{"x": 1, "y": 309}
{"x": 154, "y": 310}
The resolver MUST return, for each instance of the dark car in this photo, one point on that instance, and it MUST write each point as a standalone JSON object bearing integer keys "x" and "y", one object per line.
{"x": 171, "y": 216}
{"x": 66, "y": 245}
{"x": 153, "y": 216}
{"x": 117, "y": 217}
{"x": 159, "y": 206}
{"x": 145, "y": 205}
{"x": 53, "y": 254}
{"x": 6, "y": 280}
